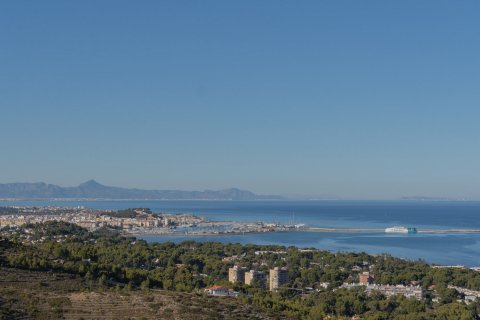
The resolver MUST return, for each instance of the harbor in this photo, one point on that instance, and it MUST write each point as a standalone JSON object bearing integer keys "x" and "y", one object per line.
{"x": 379, "y": 230}
{"x": 339, "y": 226}
{"x": 142, "y": 221}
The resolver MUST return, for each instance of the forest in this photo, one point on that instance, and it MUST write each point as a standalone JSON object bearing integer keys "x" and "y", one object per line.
{"x": 107, "y": 259}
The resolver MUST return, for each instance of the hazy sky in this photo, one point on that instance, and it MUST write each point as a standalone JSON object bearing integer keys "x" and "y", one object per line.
{"x": 359, "y": 99}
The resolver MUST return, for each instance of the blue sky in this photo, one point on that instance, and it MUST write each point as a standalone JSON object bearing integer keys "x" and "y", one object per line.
{"x": 358, "y": 99}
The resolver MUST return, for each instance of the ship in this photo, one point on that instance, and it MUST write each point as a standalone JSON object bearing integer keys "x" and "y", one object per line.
{"x": 400, "y": 229}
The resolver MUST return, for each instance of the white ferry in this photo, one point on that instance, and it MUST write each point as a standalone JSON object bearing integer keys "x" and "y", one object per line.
{"x": 400, "y": 229}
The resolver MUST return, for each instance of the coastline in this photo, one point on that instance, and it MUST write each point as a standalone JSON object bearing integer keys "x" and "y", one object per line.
{"x": 306, "y": 229}
{"x": 441, "y": 237}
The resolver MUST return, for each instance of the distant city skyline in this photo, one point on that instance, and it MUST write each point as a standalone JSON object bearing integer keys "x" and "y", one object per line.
{"x": 358, "y": 100}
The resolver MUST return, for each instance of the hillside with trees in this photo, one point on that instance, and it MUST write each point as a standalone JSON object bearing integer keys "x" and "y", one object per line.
{"x": 106, "y": 263}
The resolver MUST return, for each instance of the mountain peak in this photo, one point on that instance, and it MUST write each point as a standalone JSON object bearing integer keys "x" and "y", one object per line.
{"x": 90, "y": 183}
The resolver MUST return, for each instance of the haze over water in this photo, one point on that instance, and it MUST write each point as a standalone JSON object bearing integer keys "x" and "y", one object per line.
{"x": 442, "y": 248}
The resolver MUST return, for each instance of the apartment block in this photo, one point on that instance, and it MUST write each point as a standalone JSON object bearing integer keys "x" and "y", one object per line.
{"x": 236, "y": 274}
{"x": 277, "y": 278}
{"x": 256, "y": 277}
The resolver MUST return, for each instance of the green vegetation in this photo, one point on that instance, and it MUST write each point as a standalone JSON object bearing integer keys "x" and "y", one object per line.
{"x": 105, "y": 261}
{"x": 127, "y": 213}
{"x": 28, "y": 294}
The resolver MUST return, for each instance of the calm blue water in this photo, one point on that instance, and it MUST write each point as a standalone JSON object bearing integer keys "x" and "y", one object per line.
{"x": 447, "y": 248}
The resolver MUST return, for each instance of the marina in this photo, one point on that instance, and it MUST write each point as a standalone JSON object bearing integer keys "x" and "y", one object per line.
{"x": 448, "y": 233}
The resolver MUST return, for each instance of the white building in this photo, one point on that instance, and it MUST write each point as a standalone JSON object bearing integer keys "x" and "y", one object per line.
{"x": 219, "y": 291}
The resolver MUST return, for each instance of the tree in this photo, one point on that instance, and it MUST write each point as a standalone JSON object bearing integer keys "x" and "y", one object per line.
{"x": 455, "y": 311}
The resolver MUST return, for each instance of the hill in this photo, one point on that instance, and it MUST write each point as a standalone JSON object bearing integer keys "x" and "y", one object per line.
{"x": 48, "y": 273}
{"x": 94, "y": 190}
{"x": 28, "y": 294}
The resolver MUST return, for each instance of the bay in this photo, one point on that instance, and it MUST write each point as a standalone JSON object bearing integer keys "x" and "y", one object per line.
{"x": 441, "y": 248}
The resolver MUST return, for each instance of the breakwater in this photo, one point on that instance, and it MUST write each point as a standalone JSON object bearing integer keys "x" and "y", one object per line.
{"x": 374, "y": 230}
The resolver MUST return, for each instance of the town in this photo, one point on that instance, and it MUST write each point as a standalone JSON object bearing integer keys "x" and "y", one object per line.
{"x": 277, "y": 279}
{"x": 130, "y": 220}
{"x": 134, "y": 221}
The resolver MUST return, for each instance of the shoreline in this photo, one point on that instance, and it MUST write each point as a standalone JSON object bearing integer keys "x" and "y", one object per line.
{"x": 318, "y": 230}
{"x": 237, "y": 238}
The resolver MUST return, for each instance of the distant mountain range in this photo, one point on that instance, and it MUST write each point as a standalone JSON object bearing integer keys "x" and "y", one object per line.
{"x": 94, "y": 190}
{"x": 423, "y": 198}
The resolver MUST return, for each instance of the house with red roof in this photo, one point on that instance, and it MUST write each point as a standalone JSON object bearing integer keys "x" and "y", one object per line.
{"x": 219, "y": 291}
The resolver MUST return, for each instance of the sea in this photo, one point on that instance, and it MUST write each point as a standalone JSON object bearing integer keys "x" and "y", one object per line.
{"x": 439, "y": 248}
